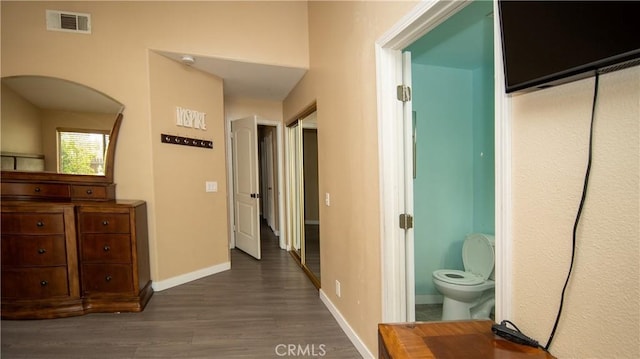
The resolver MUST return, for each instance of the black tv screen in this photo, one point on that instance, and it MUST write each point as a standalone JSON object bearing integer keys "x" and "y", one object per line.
{"x": 546, "y": 43}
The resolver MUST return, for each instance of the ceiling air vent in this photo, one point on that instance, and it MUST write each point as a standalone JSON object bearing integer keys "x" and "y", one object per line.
{"x": 68, "y": 21}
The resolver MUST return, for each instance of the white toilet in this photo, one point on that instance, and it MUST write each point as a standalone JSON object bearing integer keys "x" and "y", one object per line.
{"x": 469, "y": 294}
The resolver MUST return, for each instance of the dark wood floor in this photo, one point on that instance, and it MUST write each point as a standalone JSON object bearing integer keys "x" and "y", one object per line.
{"x": 258, "y": 309}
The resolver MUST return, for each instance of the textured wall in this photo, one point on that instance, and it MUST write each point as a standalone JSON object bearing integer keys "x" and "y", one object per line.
{"x": 550, "y": 131}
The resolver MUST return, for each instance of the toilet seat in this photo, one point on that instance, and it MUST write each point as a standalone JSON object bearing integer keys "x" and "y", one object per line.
{"x": 458, "y": 277}
{"x": 478, "y": 258}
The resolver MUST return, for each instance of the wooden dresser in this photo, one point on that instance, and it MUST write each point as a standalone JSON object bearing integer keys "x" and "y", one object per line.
{"x": 70, "y": 258}
{"x": 65, "y": 255}
{"x": 114, "y": 256}
{"x": 39, "y": 261}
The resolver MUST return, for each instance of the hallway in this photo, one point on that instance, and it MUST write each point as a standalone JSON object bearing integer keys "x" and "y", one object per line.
{"x": 258, "y": 309}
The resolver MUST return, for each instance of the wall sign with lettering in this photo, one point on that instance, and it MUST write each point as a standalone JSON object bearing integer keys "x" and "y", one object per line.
{"x": 191, "y": 118}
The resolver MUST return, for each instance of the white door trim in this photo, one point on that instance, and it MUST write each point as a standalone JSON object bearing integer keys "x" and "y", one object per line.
{"x": 422, "y": 18}
{"x": 280, "y": 174}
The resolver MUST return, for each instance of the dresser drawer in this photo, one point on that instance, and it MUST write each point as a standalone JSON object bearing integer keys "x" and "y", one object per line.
{"x": 106, "y": 278}
{"x": 99, "y": 193}
{"x": 35, "y": 190}
{"x": 19, "y": 250}
{"x": 106, "y": 248}
{"x": 32, "y": 223}
{"x": 104, "y": 223}
{"x": 33, "y": 283}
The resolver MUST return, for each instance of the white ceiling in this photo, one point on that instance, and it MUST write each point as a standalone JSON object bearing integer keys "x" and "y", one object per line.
{"x": 245, "y": 79}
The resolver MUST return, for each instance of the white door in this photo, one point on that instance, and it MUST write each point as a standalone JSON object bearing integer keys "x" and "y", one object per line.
{"x": 407, "y": 114}
{"x": 245, "y": 185}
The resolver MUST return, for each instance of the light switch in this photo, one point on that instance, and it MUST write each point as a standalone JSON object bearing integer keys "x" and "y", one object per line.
{"x": 211, "y": 186}
{"x": 327, "y": 199}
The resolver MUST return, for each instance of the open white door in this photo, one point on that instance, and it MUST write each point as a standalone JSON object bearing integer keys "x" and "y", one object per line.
{"x": 245, "y": 185}
{"x": 409, "y": 170}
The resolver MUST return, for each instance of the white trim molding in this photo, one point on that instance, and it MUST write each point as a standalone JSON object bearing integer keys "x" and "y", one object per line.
{"x": 346, "y": 328}
{"x": 190, "y": 277}
{"x": 503, "y": 185}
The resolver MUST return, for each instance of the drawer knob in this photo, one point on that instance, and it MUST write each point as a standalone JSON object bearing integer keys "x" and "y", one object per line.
{"x": 37, "y": 189}
{"x": 40, "y": 224}
{"x": 42, "y": 251}
{"x": 108, "y": 278}
{"x": 89, "y": 191}
{"x": 106, "y": 248}
{"x": 43, "y": 283}
{"x": 105, "y": 223}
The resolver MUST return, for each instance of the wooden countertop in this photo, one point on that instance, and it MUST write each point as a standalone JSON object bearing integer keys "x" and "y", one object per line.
{"x": 454, "y": 340}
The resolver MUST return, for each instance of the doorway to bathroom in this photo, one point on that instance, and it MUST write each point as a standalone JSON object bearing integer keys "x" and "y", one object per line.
{"x": 452, "y": 83}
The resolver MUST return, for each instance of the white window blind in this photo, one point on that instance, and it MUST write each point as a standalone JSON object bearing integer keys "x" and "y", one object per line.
{"x": 82, "y": 151}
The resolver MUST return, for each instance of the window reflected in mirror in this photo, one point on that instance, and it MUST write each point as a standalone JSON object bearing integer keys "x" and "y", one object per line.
{"x": 82, "y": 152}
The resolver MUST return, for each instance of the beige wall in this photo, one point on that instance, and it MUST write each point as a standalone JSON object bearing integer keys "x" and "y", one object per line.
{"x": 342, "y": 79}
{"x": 550, "y": 133}
{"x": 19, "y": 116}
{"x": 115, "y": 59}
{"x": 242, "y": 107}
{"x": 180, "y": 172}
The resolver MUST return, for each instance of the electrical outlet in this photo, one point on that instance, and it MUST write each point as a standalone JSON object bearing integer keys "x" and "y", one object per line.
{"x": 338, "y": 288}
{"x": 327, "y": 199}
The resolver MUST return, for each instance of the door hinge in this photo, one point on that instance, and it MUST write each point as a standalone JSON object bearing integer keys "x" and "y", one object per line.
{"x": 406, "y": 221}
{"x": 404, "y": 93}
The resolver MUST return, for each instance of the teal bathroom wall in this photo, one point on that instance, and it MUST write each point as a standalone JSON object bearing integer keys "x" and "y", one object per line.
{"x": 483, "y": 150}
{"x": 452, "y": 83}
{"x": 443, "y": 187}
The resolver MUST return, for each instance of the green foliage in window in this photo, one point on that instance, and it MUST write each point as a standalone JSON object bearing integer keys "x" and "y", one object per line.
{"x": 82, "y": 152}
{"x": 75, "y": 159}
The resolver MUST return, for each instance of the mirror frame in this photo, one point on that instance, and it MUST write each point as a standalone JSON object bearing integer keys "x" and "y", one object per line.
{"x": 73, "y": 178}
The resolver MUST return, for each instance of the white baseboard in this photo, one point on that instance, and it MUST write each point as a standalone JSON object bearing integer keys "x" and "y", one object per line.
{"x": 429, "y": 299}
{"x": 346, "y": 328}
{"x": 189, "y": 277}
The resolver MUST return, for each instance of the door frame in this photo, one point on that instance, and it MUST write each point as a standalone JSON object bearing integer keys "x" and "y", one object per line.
{"x": 279, "y": 172}
{"x": 421, "y": 19}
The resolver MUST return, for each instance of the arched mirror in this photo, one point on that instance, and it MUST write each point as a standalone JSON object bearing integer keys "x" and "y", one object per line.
{"x": 54, "y": 129}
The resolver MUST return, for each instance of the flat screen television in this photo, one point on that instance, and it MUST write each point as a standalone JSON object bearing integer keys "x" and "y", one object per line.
{"x": 547, "y": 43}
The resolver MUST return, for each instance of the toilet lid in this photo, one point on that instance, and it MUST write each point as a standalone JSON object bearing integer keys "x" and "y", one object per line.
{"x": 478, "y": 254}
